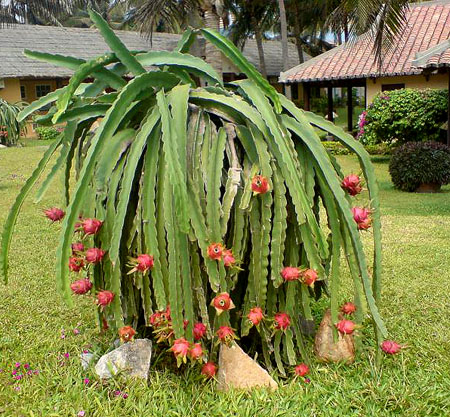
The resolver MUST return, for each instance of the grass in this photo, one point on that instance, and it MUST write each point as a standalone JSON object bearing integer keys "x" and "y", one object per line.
{"x": 415, "y": 307}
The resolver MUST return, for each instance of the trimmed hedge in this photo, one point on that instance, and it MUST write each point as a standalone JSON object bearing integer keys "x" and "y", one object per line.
{"x": 417, "y": 163}
{"x": 47, "y": 133}
{"x": 335, "y": 148}
{"x": 406, "y": 115}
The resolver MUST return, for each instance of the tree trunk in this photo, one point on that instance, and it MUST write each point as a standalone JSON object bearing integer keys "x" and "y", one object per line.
{"x": 284, "y": 38}
{"x": 211, "y": 20}
{"x": 259, "y": 44}
{"x": 297, "y": 33}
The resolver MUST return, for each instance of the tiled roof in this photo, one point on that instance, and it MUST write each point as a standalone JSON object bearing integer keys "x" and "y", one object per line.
{"x": 436, "y": 57}
{"x": 88, "y": 43}
{"x": 428, "y": 24}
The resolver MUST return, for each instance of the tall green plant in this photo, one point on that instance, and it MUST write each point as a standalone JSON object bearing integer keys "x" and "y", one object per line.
{"x": 180, "y": 172}
{"x": 10, "y": 127}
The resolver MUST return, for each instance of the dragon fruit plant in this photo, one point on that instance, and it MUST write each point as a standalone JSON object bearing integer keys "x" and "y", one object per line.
{"x": 200, "y": 203}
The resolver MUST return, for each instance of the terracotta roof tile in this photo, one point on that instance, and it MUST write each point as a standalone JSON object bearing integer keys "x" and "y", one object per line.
{"x": 428, "y": 24}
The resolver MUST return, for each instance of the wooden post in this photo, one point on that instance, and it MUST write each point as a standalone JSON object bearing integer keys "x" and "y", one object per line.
{"x": 448, "y": 111}
{"x": 307, "y": 96}
{"x": 330, "y": 104}
{"x": 349, "y": 109}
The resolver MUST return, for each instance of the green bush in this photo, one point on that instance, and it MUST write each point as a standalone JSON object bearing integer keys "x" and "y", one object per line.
{"x": 379, "y": 149}
{"x": 10, "y": 127}
{"x": 47, "y": 133}
{"x": 405, "y": 115}
{"x": 335, "y": 148}
{"x": 417, "y": 163}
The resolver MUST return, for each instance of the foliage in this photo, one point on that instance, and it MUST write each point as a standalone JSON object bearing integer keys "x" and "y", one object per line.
{"x": 33, "y": 319}
{"x": 404, "y": 115}
{"x": 10, "y": 127}
{"x": 47, "y": 133}
{"x": 169, "y": 172}
{"x": 417, "y": 163}
{"x": 336, "y": 148}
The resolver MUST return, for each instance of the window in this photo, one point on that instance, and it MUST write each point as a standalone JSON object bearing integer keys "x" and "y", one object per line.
{"x": 390, "y": 87}
{"x": 42, "y": 90}
{"x": 23, "y": 92}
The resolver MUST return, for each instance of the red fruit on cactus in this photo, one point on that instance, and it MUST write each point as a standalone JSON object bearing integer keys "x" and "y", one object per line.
{"x": 222, "y": 302}
{"x": 260, "y": 184}
{"x": 348, "y": 308}
{"x": 75, "y": 264}
{"x": 225, "y": 334}
{"x": 105, "y": 298}
{"x": 352, "y": 184}
{"x": 255, "y": 315}
{"x": 94, "y": 255}
{"x": 301, "y": 370}
{"x": 54, "y": 214}
{"x": 77, "y": 248}
{"x": 180, "y": 349}
{"x": 196, "y": 352}
{"x": 199, "y": 331}
{"x": 209, "y": 369}
{"x": 309, "y": 276}
{"x": 126, "y": 334}
{"x": 346, "y": 326}
{"x": 390, "y": 347}
{"x": 282, "y": 321}
{"x": 290, "y": 273}
{"x": 91, "y": 226}
{"x": 215, "y": 251}
{"x": 228, "y": 258}
{"x": 362, "y": 218}
{"x": 142, "y": 263}
{"x": 82, "y": 286}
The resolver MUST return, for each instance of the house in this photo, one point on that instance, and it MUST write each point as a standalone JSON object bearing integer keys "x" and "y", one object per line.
{"x": 25, "y": 79}
{"x": 353, "y": 65}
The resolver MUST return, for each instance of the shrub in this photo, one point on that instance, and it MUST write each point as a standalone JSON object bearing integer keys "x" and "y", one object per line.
{"x": 166, "y": 240}
{"x": 417, "y": 163}
{"x": 405, "y": 115}
{"x": 10, "y": 128}
{"x": 47, "y": 133}
{"x": 335, "y": 148}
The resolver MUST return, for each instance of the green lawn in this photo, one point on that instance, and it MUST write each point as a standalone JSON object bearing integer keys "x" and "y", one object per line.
{"x": 415, "y": 307}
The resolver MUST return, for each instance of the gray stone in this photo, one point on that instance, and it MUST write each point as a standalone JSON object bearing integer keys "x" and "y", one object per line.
{"x": 327, "y": 349}
{"x": 132, "y": 358}
{"x": 238, "y": 370}
{"x": 2, "y": 146}
{"x": 86, "y": 359}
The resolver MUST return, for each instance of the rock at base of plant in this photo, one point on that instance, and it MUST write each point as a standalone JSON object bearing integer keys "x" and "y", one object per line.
{"x": 238, "y": 370}
{"x": 86, "y": 359}
{"x": 327, "y": 349}
{"x": 132, "y": 358}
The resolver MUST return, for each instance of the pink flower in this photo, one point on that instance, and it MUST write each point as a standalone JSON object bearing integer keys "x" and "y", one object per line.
{"x": 94, "y": 255}
{"x": 228, "y": 258}
{"x": 309, "y": 276}
{"x": 225, "y": 334}
{"x": 290, "y": 273}
{"x": 17, "y": 365}
{"x": 390, "y": 347}
{"x": 209, "y": 369}
{"x": 196, "y": 352}
{"x": 222, "y": 302}
{"x": 260, "y": 184}
{"x": 124, "y": 395}
{"x": 282, "y": 321}
{"x": 215, "y": 251}
{"x": 91, "y": 226}
{"x": 66, "y": 355}
{"x": 199, "y": 331}
{"x": 81, "y": 413}
{"x": 361, "y": 217}
{"x": 105, "y": 298}
{"x": 76, "y": 332}
{"x": 54, "y": 214}
{"x": 255, "y": 315}
{"x": 26, "y": 366}
{"x": 80, "y": 287}
{"x": 352, "y": 184}
{"x": 346, "y": 326}
{"x": 302, "y": 369}
{"x": 86, "y": 381}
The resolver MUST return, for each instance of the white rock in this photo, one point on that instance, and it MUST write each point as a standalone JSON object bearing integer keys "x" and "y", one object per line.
{"x": 86, "y": 359}
{"x": 132, "y": 358}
